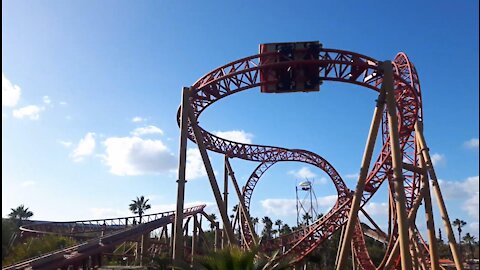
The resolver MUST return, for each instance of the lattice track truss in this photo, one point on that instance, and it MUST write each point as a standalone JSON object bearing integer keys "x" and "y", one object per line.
{"x": 333, "y": 65}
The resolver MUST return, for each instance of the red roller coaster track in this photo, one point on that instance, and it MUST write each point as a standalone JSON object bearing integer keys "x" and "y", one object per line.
{"x": 333, "y": 65}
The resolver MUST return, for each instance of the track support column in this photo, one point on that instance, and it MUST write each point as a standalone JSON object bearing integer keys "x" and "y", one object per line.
{"x": 397, "y": 164}
{"x": 432, "y": 240}
{"x": 241, "y": 204}
{"x": 178, "y": 255}
{"x": 357, "y": 197}
{"x": 225, "y": 198}
{"x": 436, "y": 187}
{"x": 211, "y": 176}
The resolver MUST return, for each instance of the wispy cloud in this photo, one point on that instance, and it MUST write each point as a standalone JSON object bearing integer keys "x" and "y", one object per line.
{"x": 471, "y": 144}
{"x": 10, "y": 92}
{"x": 28, "y": 183}
{"x": 138, "y": 119}
{"x": 352, "y": 176}
{"x": 47, "y": 100}
{"x": 466, "y": 191}
{"x": 85, "y": 147}
{"x": 31, "y": 111}
{"x": 303, "y": 173}
{"x": 439, "y": 159}
{"x": 65, "y": 144}
{"x": 235, "y": 135}
{"x": 287, "y": 207}
{"x": 147, "y": 130}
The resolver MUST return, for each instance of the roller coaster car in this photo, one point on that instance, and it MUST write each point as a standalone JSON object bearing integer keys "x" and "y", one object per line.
{"x": 296, "y": 74}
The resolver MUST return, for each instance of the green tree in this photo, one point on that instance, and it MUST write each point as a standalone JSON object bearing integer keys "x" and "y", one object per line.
{"x": 279, "y": 223}
{"x": 459, "y": 224}
{"x": 285, "y": 229}
{"x": 139, "y": 206}
{"x": 267, "y": 227}
{"x": 20, "y": 214}
{"x": 306, "y": 217}
{"x": 234, "y": 209}
{"x": 214, "y": 218}
{"x": 255, "y": 223}
{"x": 36, "y": 247}
{"x": 440, "y": 239}
{"x": 470, "y": 241}
{"x": 8, "y": 231}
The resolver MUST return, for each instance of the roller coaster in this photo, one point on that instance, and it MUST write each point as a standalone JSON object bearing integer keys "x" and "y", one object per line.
{"x": 404, "y": 165}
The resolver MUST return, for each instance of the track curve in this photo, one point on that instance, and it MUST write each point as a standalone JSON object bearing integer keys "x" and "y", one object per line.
{"x": 334, "y": 65}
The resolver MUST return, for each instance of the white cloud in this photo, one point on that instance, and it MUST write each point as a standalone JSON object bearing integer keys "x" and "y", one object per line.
{"x": 471, "y": 144}
{"x": 28, "y": 183}
{"x": 147, "y": 130}
{"x": 287, "y": 207}
{"x": 376, "y": 209}
{"x": 138, "y": 119}
{"x": 46, "y": 100}
{"x": 195, "y": 167}
{"x": 438, "y": 159}
{"x": 303, "y": 173}
{"x": 85, "y": 147}
{"x": 136, "y": 156}
{"x": 235, "y": 135}
{"x": 327, "y": 201}
{"x": 353, "y": 176}
{"x": 31, "y": 111}
{"x": 63, "y": 103}
{"x": 467, "y": 190}
{"x": 10, "y": 92}
{"x": 279, "y": 207}
{"x": 322, "y": 180}
{"x": 471, "y": 205}
{"x": 66, "y": 144}
{"x": 473, "y": 227}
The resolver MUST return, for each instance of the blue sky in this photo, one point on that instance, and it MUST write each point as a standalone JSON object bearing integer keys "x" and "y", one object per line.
{"x": 90, "y": 91}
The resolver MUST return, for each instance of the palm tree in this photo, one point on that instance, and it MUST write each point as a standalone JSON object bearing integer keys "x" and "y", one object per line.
{"x": 279, "y": 223}
{"x": 286, "y": 229}
{"x": 267, "y": 229}
{"x": 459, "y": 223}
{"x": 440, "y": 239}
{"x": 306, "y": 218}
{"x": 470, "y": 241}
{"x": 139, "y": 206}
{"x": 255, "y": 223}
{"x": 20, "y": 213}
{"x": 214, "y": 218}
{"x": 234, "y": 209}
